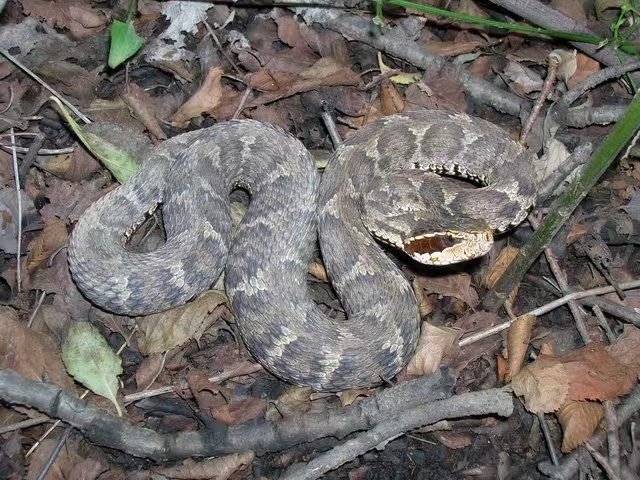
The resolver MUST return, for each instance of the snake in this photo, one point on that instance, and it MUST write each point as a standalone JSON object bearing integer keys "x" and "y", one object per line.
{"x": 435, "y": 185}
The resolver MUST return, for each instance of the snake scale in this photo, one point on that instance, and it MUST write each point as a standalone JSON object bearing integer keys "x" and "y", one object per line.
{"x": 383, "y": 182}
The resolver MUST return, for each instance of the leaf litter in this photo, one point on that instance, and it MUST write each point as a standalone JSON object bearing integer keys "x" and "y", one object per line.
{"x": 275, "y": 67}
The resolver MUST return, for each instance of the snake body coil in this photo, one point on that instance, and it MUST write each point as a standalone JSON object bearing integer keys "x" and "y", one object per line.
{"x": 379, "y": 178}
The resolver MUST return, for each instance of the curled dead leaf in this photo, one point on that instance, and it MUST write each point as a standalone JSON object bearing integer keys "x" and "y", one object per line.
{"x": 52, "y": 237}
{"x": 349, "y": 396}
{"x": 294, "y": 401}
{"x": 456, "y": 285}
{"x": 391, "y": 100}
{"x": 318, "y": 271}
{"x": 543, "y": 388}
{"x": 502, "y": 262}
{"x": 518, "y": 338}
{"x": 32, "y": 354}
{"x": 204, "y": 100}
{"x": 220, "y": 468}
{"x": 626, "y": 347}
{"x": 435, "y": 343}
{"x": 142, "y": 106}
{"x": 590, "y": 373}
{"x": 567, "y": 63}
{"x": 579, "y": 421}
{"x": 163, "y": 331}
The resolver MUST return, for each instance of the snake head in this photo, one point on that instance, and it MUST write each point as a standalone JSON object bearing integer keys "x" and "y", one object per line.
{"x": 446, "y": 248}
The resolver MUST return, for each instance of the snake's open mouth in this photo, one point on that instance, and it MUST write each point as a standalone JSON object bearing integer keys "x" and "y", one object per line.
{"x": 445, "y": 248}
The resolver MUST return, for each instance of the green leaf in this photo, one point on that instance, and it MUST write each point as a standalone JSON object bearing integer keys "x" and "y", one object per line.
{"x": 116, "y": 159}
{"x": 125, "y": 42}
{"x": 90, "y": 360}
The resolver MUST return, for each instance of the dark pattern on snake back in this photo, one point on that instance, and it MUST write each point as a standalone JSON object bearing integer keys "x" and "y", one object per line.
{"x": 381, "y": 177}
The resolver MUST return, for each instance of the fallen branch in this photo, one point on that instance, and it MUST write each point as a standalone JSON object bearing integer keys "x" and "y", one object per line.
{"x": 106, "y": 429}
{"x": 487, "y": 402}
{"x": 398, "y": 42}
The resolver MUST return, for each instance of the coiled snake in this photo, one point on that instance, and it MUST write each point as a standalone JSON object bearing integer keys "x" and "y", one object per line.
{"x": 380, "y": 178}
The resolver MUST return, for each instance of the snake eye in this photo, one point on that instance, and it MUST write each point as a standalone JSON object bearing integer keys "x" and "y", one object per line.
{"x": 429, "y": 244}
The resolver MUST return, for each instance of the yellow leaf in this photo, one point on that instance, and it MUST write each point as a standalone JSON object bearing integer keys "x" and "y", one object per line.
{"x": 400, "y": 78}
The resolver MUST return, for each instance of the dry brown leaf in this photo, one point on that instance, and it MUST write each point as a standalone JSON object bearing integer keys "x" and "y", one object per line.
{"x": 594, "y": 374}
{"x": 501, "y": 368}
{"x": 75, "y": 167}
{"x": 478, "y": 320}
{"x": 470, "y": 8}
{"x": 543, "y": 388}
{"x": 239, "y": 410}
{"x": 289, "y": 31}
{"x": 518, "y": 338}
{"x": 522, "y": 80}
{"x": 349, "y": 396}
{"x": 326, "y": 72}
{"x": 454, "y": 440}
{"x": 547, "y": 349}
{"x": 81, "y": 20}
{"x": 32, "y": 354}
{"x": 626, "y": 347}
{"x": 268, "y": 81}
{"x": 435, "y": 343}
{"x": 590, "y": 373}
{"x": 568, "y": 64}
{"x": 577, "y": 230}
{"x": 447, "y": 94}
{"x": 391, "y": 100}
{"x": 318, "y": 271}
{"x": 579, "y": 421}
{"x": 70, "y": 78}
{"x": 220, "y": 468}
{"x": 148, "y": 370}
{"x": 53, "y": 237}
{"x": 68, "y": 461}
{"x": 205, "y": 100}
{"x": 143, "y": 107}
{"x": 585, "y": 67}
{"x": 294, "y": 401}
{"x": 425, "y": 304}
{"x": 500, "y": 265}
{"x": 456, "y": 285}
{"x": 163, "y": 331}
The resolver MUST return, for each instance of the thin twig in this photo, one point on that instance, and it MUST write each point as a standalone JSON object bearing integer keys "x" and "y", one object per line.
{"x": 547, "y": 438}
{"x": 32, "y": 422}
{"x": 43, "y": 294}
{"x": 602, "y": 322}
{"x": 17, "y": 180}
{"x": 68, "y": 104}
{"x": 561, "y": 278}
{"x": 549, "y": 83}
{"x": 242, "y": 103}
{"x": 547, "y": 308}
{"x": 331, "y": 127}
{"x": 10, "y": 101}
{"x": 219, "y": 45}
{"x": 42, "y": 151}
{"x": 54, "y": 453}
{"x": 613, "y": 441}
{"x": 602, "y": 461}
